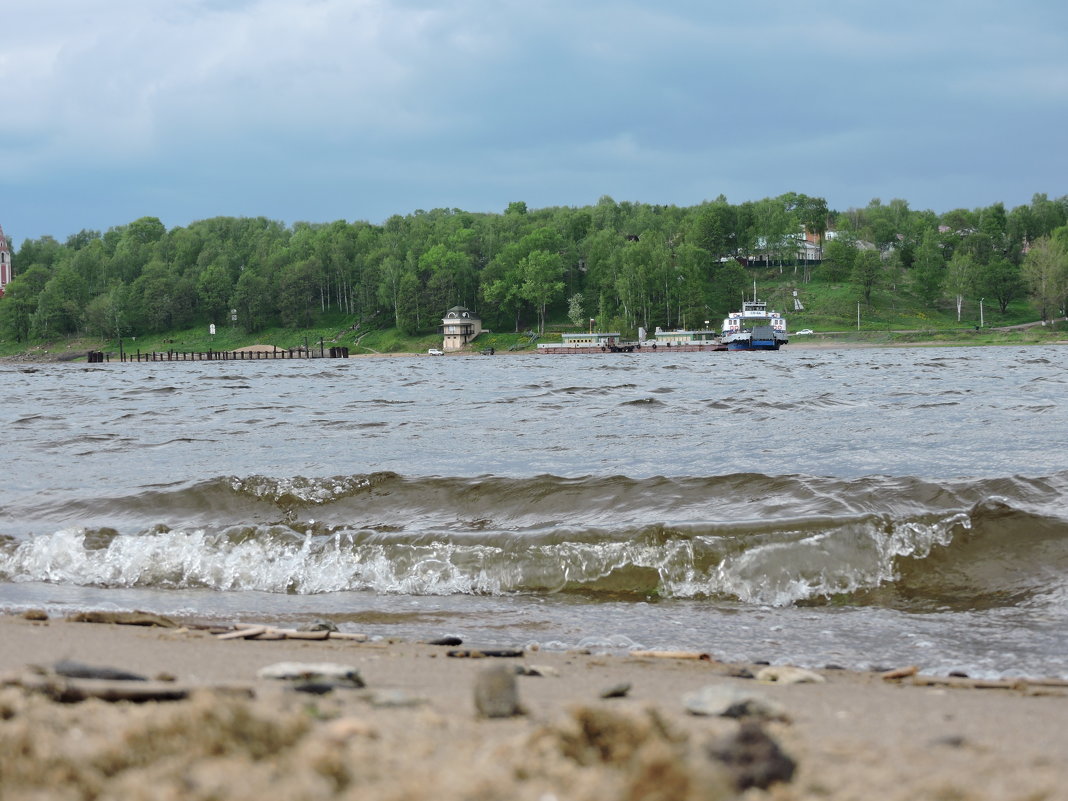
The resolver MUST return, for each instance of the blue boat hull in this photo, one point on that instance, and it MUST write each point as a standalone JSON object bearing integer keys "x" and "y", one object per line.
{"x": 760, "y": 344}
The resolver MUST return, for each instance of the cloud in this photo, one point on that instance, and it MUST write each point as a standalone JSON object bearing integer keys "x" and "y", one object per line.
{"x": 365, "y": 108}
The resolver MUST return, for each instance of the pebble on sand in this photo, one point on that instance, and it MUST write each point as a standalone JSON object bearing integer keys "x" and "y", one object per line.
{"x": 718, "y": 700}
{"x": 317, "y": 672}
{"x": 753, "y": 758}
{"x": 787, "y": 674}
{"x": 496, "y": 693}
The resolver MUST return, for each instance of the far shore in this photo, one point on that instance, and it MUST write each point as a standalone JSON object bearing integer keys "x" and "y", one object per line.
{"x": 1015, "y": 336}
{"x": 583, "y": 725}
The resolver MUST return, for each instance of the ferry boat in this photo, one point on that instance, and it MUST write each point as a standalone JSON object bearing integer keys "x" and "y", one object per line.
{"x": 754, "y": 327}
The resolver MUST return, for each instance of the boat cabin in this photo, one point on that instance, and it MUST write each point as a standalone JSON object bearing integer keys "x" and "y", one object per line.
{"x": 753, "y": 313}
{"x": 674, "y": 339}
{"x": 591, "y": 340}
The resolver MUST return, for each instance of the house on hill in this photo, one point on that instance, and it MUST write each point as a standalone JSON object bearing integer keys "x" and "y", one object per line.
{"x": 459, "y": 327}
{"x": 5, "y": 262}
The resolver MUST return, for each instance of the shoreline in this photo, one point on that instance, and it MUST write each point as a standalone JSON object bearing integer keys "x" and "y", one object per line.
{"x": 414, "y": 730}
{"x": 80, "y": 358}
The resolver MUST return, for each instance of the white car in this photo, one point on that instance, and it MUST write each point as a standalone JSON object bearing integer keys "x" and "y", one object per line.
{"x": 436, "y": 352}
{"x": 803, "y": 331}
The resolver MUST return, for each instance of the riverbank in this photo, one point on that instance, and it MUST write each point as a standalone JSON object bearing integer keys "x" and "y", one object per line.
{"x": 589, "y": 726}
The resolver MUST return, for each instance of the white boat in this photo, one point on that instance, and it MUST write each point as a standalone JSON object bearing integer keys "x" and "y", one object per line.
{"x": 754, "y": 327}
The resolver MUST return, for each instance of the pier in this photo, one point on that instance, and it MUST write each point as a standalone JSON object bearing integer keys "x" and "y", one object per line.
{"x": 97, "y": 356}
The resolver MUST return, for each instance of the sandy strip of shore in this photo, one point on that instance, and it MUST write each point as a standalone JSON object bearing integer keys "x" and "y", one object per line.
{"x": 414, "y": 731}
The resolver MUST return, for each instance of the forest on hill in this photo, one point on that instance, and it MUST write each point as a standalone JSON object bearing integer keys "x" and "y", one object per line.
{"x": 625, "y": 264}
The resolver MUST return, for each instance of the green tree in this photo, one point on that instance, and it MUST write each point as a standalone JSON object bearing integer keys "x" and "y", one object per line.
{"x": 575, "y": 312}
{"x": 729, "y": 289}
{"x": 106, "y": 314}
{"x": 929, "y": 269}
{"x": 541, "y": 272}
{"x": 1000, "y": 279}
{"x": 867, "y": 272}
{"x": 299, "y": 293}
{"x": 19, "y": 302}
{"x": 1045, "y": 272}
{"x": 60, "y": 304}
{"x": 961, "y": 278}
{"x": 253, "y": 301}
{"x": 716, "y": 229}
{"x": 389, "y": 285}
{"x": 838, "y": 258}
{"x": 214, "y": 289}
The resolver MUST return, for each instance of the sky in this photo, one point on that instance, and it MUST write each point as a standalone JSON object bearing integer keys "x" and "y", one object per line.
{"x": 323, "y": 110}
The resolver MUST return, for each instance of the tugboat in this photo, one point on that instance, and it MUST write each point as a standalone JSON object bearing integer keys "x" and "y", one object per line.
{"x": 754, "y": 327}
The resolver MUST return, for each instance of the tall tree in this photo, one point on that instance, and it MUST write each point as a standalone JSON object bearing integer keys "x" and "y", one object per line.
{"x": 541, "y": 272}
{"x": 929, "y": 268}
{"x": 1000, "y": 279}
{"x": 867, "y": 272}
{"x": 961, "y": 278}
{"x": 1045, "y": 271}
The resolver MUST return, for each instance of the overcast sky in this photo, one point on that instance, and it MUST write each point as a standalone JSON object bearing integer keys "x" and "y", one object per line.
{"x": 320, "y": 110}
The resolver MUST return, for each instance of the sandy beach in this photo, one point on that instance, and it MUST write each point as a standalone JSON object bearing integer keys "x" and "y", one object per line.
{"x": 585, "y": 726}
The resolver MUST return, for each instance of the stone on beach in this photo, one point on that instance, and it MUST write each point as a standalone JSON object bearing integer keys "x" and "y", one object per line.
{"x": 787, "y": 674}
{"x": 720, "y": 700}
{"x": 496, "y": 693}
{"x": 753, "y": 758}
{"x": 316, "y": 672}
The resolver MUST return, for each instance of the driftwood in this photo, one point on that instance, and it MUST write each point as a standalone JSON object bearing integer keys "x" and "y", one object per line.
{"x": 970, "y": 684}
{"x": 243, "y": 633}
{"x": 69, "y": 691}
{"x": 256, "y": 632}
{"x": 674, "y": 655}
{"x": 135, "y": 618}
{"x": 963, "y": 682}
{"x": 900, "y": 673}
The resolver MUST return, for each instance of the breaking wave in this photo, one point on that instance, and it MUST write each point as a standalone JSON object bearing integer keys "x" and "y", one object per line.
{"x": 753, "y": 538}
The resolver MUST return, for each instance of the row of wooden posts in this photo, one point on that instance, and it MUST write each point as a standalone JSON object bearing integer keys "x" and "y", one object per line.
{"x": 98, "y": 356}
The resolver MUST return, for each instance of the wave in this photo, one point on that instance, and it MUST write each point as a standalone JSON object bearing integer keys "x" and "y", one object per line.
{"x": 753, "y": 538}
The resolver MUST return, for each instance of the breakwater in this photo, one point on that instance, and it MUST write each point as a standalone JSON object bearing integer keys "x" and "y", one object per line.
{"x": 96, "y": 356}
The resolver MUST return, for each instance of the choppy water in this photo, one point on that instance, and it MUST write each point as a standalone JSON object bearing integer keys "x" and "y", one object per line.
{"x": 857, "y": 507}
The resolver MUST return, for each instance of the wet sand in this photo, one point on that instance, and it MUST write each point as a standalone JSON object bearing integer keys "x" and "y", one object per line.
{"x": 414, "y": 730}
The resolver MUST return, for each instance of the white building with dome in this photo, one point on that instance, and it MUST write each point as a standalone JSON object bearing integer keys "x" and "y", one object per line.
{"x": 459, "y": 326}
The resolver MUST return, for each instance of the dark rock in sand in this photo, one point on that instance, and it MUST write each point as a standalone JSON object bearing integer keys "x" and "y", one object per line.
{"x": 478, "y": 653}
{"x": 35, "y": 614}
{"x": 314, "y": 687}
{"x": 752, "y": 758}
{"x": 496, "y": 693}
{"x": 616, "y": 691}
{"x": 950, "y": 741}
{"x": 78, "y": 670}
{"x": 739, "y": 672}
{"x": 446, "y": 641}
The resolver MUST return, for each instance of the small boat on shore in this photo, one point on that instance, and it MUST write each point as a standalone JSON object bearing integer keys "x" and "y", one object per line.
{"x": 754, "y": 327}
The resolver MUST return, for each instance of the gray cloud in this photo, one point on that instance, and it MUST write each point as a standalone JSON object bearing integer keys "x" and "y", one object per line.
{"x": 327, "y": 109}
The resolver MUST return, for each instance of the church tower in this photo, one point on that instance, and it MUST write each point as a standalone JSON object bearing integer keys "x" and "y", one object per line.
{"x": 5, "y": 262}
